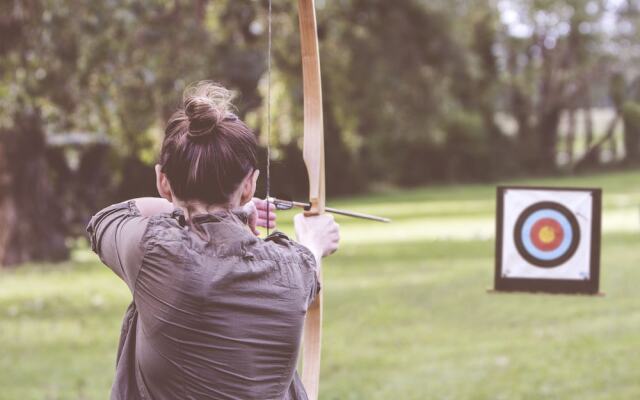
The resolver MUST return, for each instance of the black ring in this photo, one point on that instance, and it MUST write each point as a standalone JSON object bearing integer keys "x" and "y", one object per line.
{"x": 517, "y": 234}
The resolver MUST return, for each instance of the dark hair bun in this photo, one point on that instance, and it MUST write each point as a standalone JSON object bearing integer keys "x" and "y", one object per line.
{"x": 206, "y": 105}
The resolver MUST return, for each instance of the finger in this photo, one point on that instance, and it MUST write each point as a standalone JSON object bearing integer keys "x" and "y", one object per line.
{"x": 259, "y": 203}
{"x": 262, "y": 205}
{"x": 264, "y": 215}
{"x": 333, "y": 231}
{"x": 263, "y": 223}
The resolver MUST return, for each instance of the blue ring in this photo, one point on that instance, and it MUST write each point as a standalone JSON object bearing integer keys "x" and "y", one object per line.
{"x": 566, "y": 240}
{"x": 535, "y": 256}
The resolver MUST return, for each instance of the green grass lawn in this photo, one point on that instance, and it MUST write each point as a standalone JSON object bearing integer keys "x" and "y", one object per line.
{"x": 407, "y": 315}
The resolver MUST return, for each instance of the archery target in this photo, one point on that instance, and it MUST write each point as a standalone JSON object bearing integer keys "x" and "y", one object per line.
{"x": 546, "y": 234}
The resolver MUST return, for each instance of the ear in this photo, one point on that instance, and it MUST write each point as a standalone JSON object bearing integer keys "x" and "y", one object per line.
{"x": 162, "y": 184}
{"x": 249, "y": 187}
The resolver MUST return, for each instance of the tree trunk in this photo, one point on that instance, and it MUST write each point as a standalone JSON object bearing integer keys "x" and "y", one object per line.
{"x": 526, "y": 141}
{"x": 571, "y": 135}
{"x": 33, "y": 222}
{"x": 588, "y": 127}
{"x": 594, "y": 150}
{"x": 613, "y": 145}
{"x": 631, "y": 119}
{"x": 7, "y": 208}
{"x": 548, "y": 137}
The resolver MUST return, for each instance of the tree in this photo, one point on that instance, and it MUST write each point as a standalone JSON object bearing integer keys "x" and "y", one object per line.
{"x": 552, "y": 57}
{"x": 112, "y": 67}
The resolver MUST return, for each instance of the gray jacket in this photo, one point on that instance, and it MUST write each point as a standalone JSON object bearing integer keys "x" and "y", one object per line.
{"x": 216, "y": 313}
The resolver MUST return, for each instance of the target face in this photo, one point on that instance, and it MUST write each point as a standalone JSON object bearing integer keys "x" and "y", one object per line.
{"x": 546, "y": 234}
{"x": 548, "y": 239}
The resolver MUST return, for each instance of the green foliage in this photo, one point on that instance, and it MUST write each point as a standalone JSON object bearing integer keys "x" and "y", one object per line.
{"x": 119, "y": 67}
{"x": 467, "y": 147}
{"x": 398, "y": 108}
{"x": 407, "y": 315}
{"x": 397, "y": 77}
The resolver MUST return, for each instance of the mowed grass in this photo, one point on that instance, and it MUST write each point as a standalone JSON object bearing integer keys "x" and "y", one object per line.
{"x": 407, "y": 314}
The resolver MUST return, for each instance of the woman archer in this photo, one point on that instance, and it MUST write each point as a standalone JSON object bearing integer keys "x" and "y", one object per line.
{"x": 217, "y": 313}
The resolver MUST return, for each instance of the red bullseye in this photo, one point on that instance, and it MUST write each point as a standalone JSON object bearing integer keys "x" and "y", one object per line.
{"x": 547, "y": 234}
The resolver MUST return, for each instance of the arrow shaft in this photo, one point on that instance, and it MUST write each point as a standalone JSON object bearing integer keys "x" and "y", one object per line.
{"x": 287, "y": 205}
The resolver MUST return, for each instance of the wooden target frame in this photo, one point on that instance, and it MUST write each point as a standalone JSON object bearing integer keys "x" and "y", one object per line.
{"x": 545, "y": 201}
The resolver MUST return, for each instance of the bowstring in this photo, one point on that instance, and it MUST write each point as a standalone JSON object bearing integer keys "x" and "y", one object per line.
{"x": 269, "y": 115}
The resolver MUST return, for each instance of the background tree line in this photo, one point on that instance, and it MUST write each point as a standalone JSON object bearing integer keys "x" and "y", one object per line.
{"x": 415, "y": 92}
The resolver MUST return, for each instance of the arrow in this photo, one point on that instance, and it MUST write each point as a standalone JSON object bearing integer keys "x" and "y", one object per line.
{"x": 288, "y": 205}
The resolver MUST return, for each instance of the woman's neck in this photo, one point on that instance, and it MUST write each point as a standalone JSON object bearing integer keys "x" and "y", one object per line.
{"x": 192, "y": 208}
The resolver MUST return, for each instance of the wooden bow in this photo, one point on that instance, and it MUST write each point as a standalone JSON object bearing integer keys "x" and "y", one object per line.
{"x": 313, "y": 153}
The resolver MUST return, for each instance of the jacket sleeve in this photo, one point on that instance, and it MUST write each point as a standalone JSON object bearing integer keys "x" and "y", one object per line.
{"x": 116, "y": 237}
{"x": 306, "y": 261}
